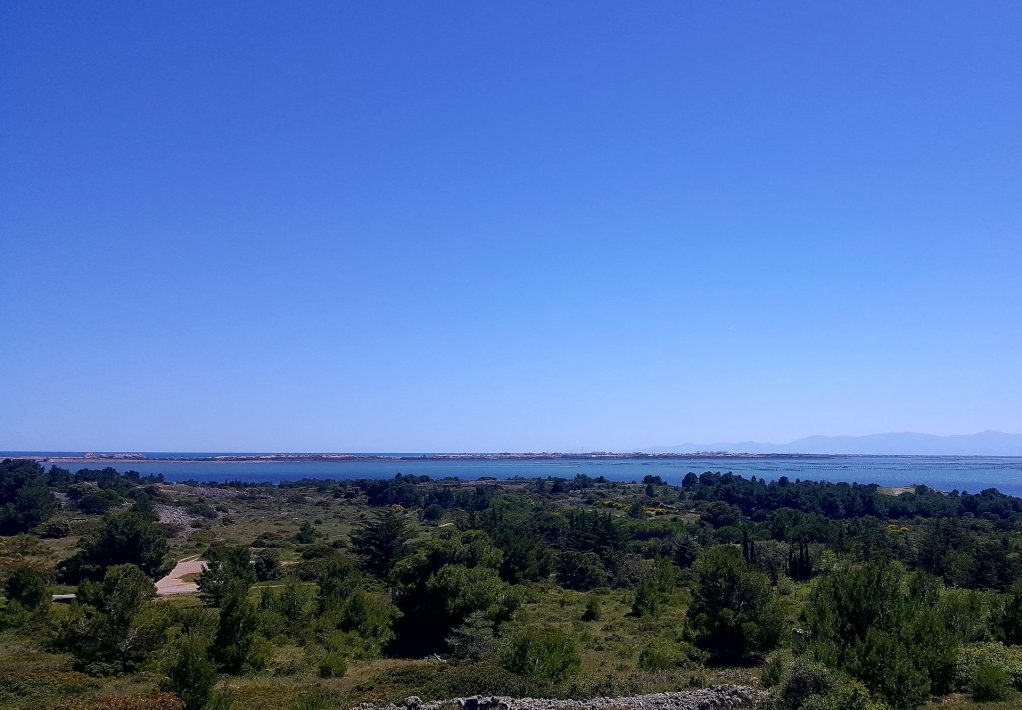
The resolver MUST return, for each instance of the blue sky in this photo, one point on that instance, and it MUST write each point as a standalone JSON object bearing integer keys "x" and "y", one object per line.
{"x": 507, "y": 226}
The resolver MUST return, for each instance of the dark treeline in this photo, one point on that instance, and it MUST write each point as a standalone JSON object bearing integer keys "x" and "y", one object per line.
{"x": 756, "y": 498}
{"x": 27, "y": 491}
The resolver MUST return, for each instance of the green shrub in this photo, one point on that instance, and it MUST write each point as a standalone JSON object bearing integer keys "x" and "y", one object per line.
{"x": 432, "y": 681}
{"x": 133, "y": 538}
{"x": 734, "y": 613}
{"x": 260, "y": 653}
{"x": 307, "y": 534}
{"x": 969, "y": 614}
{"x": 27, "y": 586}
{"x": 581, "y": 570}
{"x": 370, "y": 617}
{"x": 287, "y": 660}
{"x": 269, "y": 539}
{"x": 191, "y": 674}
{"x": 882, "y": 627}
{"x": 972, "y": 656}
{"x": 990, "y": 683}
{"x": 109, "y": 630}
{"x": 332, "y": 665}
{"x": 593, "y": 610}
{"x": 654, "y": 590}
{"x": 14, "y": 616}
{"x": 806, "y": 682}
{"x": 220, "y": 700}
{"x": 660, "y": 654}
{"x": 55, "y": 529}
{"x": 890, "y": 668}
{"x": 227, "y": 566}
{"x": 1010, "y": 623}
{"x": 267, "y": 565}
{"x": 547, "y": 654}
{"x": 776, "y": 669}
{"x": 234, "y": 645}
{"x": 433, "y": 513}
{"x": 474, "y": 640}
{"x": 851, "y": 695}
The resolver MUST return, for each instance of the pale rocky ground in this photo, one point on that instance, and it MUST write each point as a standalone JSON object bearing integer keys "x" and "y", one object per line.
{"x": 723, "y": 697}
{"x": 173, "y": 582}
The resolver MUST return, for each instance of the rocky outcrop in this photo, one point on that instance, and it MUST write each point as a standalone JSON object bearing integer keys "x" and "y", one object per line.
{"x": 722, "y": 697}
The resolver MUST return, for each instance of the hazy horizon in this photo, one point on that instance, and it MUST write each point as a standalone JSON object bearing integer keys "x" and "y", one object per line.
{"x": 986, "y": 443}
{"x": 478, "y": 227}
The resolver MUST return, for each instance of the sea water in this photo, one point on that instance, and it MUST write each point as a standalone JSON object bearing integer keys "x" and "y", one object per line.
{"x": 966, "y": 473}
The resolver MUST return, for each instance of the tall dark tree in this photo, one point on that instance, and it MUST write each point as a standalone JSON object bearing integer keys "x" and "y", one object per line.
{"x": 734, "y": 615}
{"x": 447, "y": 578}
{"x": 993, "y": 565}
{"x": 800, "y": 563}
{"x": 191, "y": 674}
{"x": 25, "y": 500}
{"x": 1010, "y": 626}
{"x": 380, "y": 540}
{"x": 236, "y": 629}
{"x": 654, "y": 590}
{"x": 28, "y": 586}
{"x": 126, "y": 538}
{"x": 883, "y": 630}
{"x": 102, "y": 632}
{"x": 226, "y": 566}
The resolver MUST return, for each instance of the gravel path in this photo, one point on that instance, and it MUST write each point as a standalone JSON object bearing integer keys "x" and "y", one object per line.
{"x": 173, "y": 584}
{"x": 168, "y": 586}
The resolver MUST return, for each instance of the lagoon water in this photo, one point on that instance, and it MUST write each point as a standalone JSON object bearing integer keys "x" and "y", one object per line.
{"x": 967, "y": 473}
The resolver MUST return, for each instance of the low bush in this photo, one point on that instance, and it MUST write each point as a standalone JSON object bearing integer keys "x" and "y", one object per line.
{"x": 54, "y": 529}
{"x": 332, "y": 665}
{"x": 287, "y": 661}
{"x": 433, "y": 681}
{"x": 972, "y": 656}
{"x": 267, "y": 565}
{"x": 850, "y": 695}
{"x": 547, "y": 654}
{"x": 269, "y": 539}
{"x": 661, "y": 654}
{"x": 32, "y": 679}
{"x": 27, "y": 586}
{"x": 989, "y": 684}
{"x": 159, "y": 701}
{"x": 805, "y": 682}
{"x": 808, "y": 685}
{"x": 191, "y": 674}
{"x": 775, "y": 669}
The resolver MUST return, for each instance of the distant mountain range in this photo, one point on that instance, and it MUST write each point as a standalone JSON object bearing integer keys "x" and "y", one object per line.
{"x": 986, "y": 443}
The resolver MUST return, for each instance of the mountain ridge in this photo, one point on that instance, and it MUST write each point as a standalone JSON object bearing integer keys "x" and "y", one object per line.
{"x": 984, "y": 443}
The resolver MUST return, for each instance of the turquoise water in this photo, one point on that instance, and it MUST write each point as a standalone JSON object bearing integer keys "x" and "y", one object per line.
{"x": 969, "y": 473}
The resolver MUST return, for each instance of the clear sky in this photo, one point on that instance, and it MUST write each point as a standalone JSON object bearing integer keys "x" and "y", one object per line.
{"x": 422, "y": 226}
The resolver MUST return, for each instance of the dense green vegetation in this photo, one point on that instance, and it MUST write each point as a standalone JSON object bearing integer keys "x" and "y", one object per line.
{"x": 328, "y": 593}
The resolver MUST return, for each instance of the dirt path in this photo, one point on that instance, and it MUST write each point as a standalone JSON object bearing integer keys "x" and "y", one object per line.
{"x": 173, "y": 582}
{"x": 168, "y": 586}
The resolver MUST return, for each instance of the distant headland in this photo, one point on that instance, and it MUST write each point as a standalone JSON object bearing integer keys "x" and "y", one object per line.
{"x": 987, "y": 443}
{"x": 109, "y": 457}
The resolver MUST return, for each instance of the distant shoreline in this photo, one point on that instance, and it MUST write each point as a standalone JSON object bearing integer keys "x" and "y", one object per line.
{"x": 122, "y": 458}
